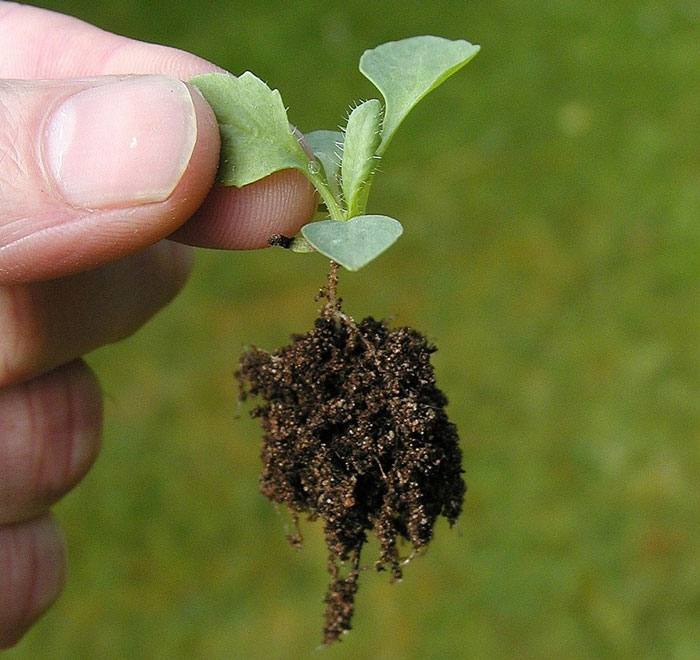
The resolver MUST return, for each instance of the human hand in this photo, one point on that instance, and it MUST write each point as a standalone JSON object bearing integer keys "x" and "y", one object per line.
{"x": 95, "y": 173}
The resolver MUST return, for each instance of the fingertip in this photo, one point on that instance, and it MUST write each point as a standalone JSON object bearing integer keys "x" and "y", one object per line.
{"x": 244, "y": 218}
{"x": 33, "y": 557}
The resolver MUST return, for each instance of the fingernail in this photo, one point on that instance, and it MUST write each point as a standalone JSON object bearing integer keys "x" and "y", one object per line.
{"x": 121, "y": 144}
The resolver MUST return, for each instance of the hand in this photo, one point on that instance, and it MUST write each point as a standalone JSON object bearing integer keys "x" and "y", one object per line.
{"x": 97, "y": 169}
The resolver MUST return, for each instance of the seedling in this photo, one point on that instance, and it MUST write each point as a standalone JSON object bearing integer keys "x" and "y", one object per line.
{"x": 355, "y": 429}
{"x": 257, "y": 140}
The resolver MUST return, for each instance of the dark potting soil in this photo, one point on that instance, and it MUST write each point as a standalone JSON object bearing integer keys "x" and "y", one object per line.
{"x": 355, "y": 433}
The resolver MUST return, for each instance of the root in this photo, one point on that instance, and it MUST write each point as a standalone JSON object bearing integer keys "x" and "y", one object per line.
{"x": 357, "y": 438}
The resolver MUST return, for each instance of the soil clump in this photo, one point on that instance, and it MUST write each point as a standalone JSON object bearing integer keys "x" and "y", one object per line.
{"x": 355, "y": 433}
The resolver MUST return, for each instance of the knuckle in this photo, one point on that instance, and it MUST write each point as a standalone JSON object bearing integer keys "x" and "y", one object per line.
{"x": 14, "y": 163}
{"x": 51, "y": 435}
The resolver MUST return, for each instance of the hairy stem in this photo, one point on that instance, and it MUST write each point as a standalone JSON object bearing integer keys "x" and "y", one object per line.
{"x": 334, "y": 208}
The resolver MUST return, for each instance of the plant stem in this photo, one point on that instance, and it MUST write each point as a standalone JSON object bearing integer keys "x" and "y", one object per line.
{"x": 334, "y": 209}
{"x": 333, "y": 285}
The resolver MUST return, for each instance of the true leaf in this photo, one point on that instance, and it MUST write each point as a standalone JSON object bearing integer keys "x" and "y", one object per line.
{"x": 327, "y": 147}
{"x": 356, "y": 242}
{"x": 405, "y": 71}
{"x": 256, "y": 139}
{"x": 362, "y": 137}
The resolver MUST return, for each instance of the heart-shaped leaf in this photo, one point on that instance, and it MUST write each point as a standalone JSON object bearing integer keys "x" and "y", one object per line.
{"x": 356, "y": 242}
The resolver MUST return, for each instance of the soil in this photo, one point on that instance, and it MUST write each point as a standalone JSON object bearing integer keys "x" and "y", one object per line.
{"x": 355, "y": 433}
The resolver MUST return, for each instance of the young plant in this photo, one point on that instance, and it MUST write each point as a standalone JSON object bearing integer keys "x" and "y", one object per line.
{"x": 355, "y": 428}
{"x": 257, "y": 140}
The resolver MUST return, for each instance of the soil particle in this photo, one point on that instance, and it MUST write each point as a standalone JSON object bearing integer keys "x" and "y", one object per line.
{"x": 355, "y": 433}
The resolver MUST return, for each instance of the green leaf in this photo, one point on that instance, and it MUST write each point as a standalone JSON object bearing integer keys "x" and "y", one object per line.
{"x": 362, "y": 137}
{"x": 327, "y": 146}
{"x": 256, "y": 139}
{"x": 353, "y": 243}
{"x": 405, "y": 71}
{"x": 300, "y": 244}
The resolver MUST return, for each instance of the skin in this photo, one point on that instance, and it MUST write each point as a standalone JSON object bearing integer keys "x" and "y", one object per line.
{"x": 73, "y": 279}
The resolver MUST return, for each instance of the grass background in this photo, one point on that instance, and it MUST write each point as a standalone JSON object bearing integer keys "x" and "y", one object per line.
{"x": 551, "y": 196}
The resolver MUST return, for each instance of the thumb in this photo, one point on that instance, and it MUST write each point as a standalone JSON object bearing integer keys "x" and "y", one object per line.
{"x": 94, "y": 169}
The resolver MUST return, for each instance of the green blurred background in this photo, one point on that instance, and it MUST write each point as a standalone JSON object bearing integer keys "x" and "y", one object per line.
{"x": 550, "y": 194}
